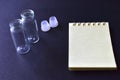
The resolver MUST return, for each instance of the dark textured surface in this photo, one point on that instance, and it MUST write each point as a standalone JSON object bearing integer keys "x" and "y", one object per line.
{"x": 48, "y": 59}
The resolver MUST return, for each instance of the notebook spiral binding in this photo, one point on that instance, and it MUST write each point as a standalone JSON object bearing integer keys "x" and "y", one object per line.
{"x": 89, "y": 23}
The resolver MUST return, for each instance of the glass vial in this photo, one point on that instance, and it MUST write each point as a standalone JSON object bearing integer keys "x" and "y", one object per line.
{"x": 30, "y": 25}
{"x": 18, "y": 36}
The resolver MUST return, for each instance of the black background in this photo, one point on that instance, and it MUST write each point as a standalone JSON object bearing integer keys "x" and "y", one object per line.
{"x": 48, "y": 59}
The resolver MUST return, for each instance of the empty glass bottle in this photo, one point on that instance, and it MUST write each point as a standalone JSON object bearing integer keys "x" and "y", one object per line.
{"x": 18, "y": 36}
{"x": 30, "y": 25}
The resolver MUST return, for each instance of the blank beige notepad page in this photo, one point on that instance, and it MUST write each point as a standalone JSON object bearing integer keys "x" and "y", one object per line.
{"x": 90, "y": 47}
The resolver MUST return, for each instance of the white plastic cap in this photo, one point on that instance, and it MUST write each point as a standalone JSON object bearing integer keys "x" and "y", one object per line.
{"x": 53, "y": 21}
{"x": 45, "y": 26}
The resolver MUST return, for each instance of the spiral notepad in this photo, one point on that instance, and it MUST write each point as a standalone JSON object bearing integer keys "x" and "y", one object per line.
{"x": 90, "y": 47}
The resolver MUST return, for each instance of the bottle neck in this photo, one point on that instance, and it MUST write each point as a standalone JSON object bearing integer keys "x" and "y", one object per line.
{"x": 27, "y": 14}
{"x": 29, "y": 19}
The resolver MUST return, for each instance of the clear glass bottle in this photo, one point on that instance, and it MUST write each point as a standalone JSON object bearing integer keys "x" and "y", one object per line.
{"x": 18, "y": 36}
{"x": 30, "y": 25}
